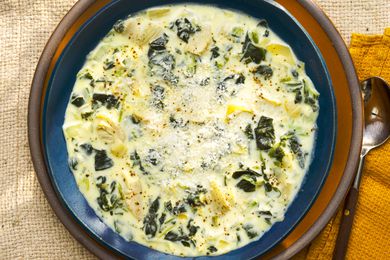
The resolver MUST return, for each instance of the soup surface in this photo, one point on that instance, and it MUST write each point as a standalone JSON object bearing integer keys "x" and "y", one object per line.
{"x": 190, "y": 129}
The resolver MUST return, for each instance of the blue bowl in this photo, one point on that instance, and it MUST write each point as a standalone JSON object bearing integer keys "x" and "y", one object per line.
{"x": 72, "y": 59}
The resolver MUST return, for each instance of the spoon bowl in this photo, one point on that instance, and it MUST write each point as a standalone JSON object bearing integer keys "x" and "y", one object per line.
{"x": 376, "y": 96}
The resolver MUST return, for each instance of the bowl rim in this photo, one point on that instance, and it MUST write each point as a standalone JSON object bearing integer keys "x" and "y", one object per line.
{"x": 37, "y": 150}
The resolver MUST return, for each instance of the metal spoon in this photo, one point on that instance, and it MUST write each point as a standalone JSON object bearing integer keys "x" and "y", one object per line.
{"x": 376, "y": 96}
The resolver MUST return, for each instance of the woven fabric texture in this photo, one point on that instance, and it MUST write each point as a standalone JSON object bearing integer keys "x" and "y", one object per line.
{"x": 29, "y": 229}
{"x": 370, "y": 237}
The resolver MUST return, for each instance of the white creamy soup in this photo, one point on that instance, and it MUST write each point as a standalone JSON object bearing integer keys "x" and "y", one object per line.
{"x": 190, "y": 129}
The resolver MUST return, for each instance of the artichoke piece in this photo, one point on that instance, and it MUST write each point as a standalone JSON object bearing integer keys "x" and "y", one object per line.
{"x": 223, "y": 200}
{"x": 119, "y": 149}
{"x": 198, "y": 43}
{"x": 235, "y": 108}
{"x": 107, "y": 130}
{"x": 282, "y": 50}
{"x": 158, "y": 12}
{"x": 141, "y": 31}
{"x": 133, "y": 195}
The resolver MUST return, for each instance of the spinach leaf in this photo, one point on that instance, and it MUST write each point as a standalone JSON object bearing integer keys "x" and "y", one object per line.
{"x": 162, "y": 218}
{"x": 77, "y": 101}
{"x": 163, "y": 59}
{"x": 240, "y": 79}
{"x": 153, "y": 157}
{"x": 108, "y": 64}
{"x": 178, "y": 209}
{"x": 119, "y": 26}
{"x": 205, "y": 82}
{"x": 263, "y": 23}
{"x": 265, "y": 213}
{"x": 137, "y": 162}
{"x": 277, "y": 153}
{"x": 160, "y": 60}
{"x": 159, "y": 44}
{"x": 248, "y": 172}
{"x": 295, "y": 147}
{"x": 185, "y": 243}
{"x": 168, "y": 206}
{"x": 310, "y": 97}
{"x": 172, "y": 236}
{"x": 311, "y": 102}
{"x": 108, "y": 200}
{"x": 268, "y": 187}
{"x": 154, "y": 206}
{"x": 212, "y": 249}
{"x": 150, "y": 220}
{"x": 192, "y": 228}
{"x": 265, "y": 133}
{"x": 264, "y": 71}
{"x": 214, "y": 53}
{"x": 102, "y": 161}
{"x": 88, "y": 149}
{"x": 162, "y": 63}
{"x": 158, "y": 97}
{"x": 252, "y": 53}
{"x": 86, "y": 75}
{"x": 246, "y": 185}
{"x": 298, "y": 96}
{"x": 107, "y": 100}
{"x": 177, "y": 123}
{"x": 249, "y": 132}
{"x": 249, "y": 231}
{"x": 86, "y": 115}
{"x": 185, "y": 29}
{"x": 193, "y": 198}
{"x": 73, "y": 163}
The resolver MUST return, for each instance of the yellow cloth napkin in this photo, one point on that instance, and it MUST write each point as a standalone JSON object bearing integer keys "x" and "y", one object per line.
{"x": 370, "y": 236}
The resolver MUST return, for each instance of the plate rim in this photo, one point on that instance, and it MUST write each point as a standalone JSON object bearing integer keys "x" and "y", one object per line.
{"x": 37, "y": 150}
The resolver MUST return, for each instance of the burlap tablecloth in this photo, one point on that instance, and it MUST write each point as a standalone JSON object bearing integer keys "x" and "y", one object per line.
{"x": 29, "y": 228}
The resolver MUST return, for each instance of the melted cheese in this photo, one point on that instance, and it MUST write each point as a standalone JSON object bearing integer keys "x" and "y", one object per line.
{"x": 190, "y": 129}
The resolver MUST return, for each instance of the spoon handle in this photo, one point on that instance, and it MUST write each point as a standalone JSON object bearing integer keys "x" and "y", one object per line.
{"x": 348, "y": 216}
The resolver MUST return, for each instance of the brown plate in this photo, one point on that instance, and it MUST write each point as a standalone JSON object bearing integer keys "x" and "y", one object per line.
{"x": 350, "y": 123}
